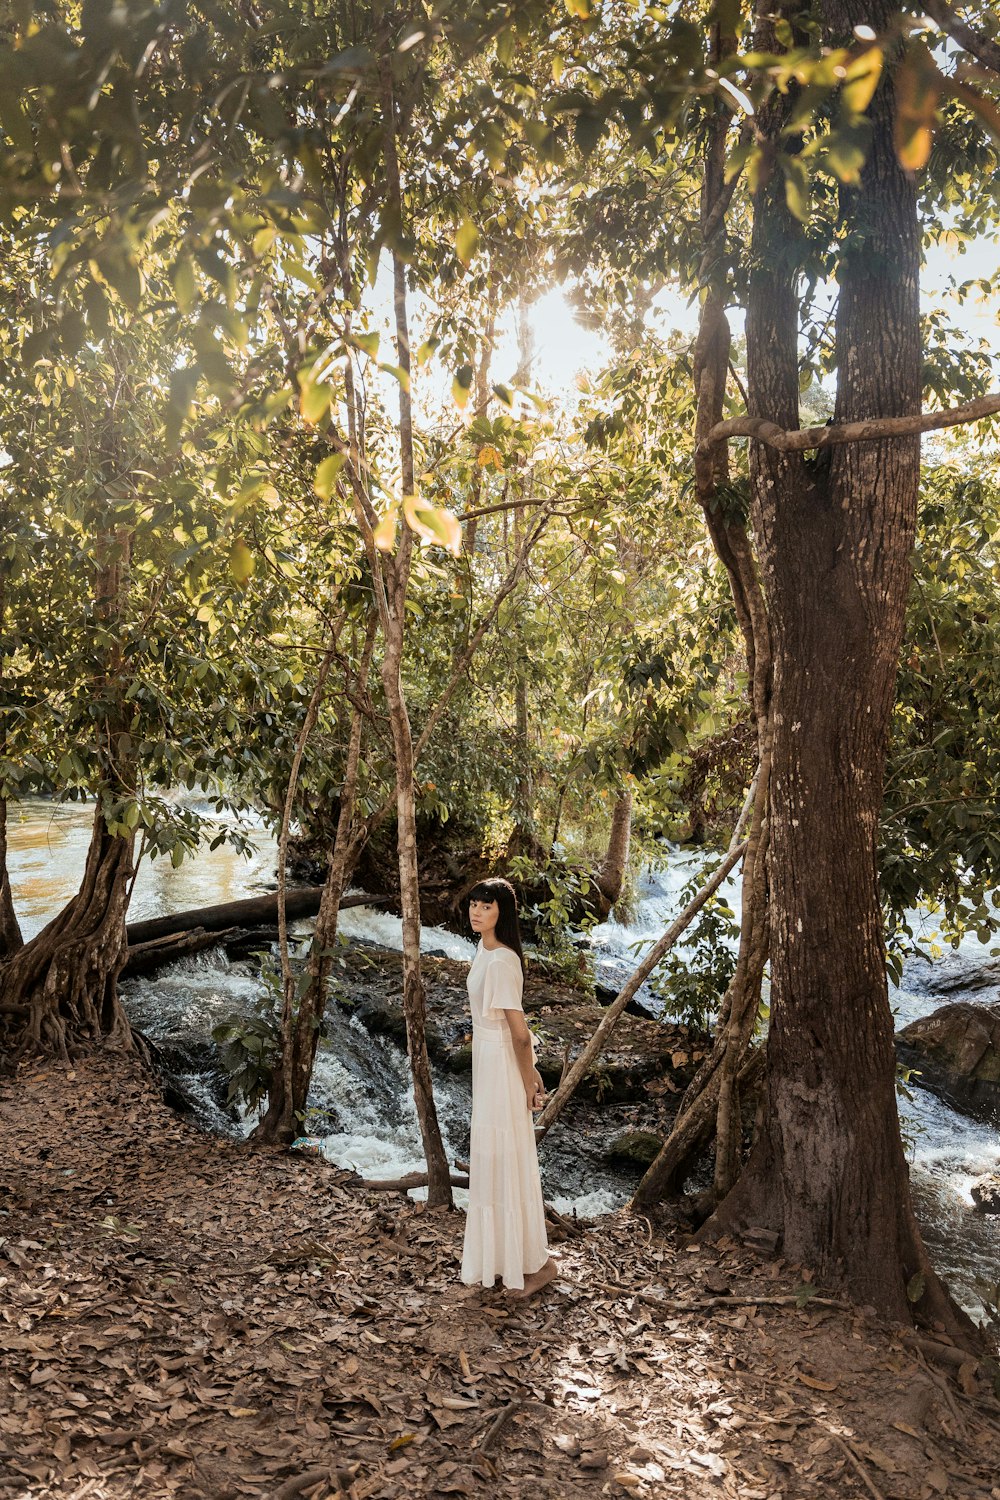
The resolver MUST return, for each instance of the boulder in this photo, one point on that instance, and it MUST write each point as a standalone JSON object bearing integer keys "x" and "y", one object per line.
{"x": 956, "y": 1052}
{"x": 986, "y": 1193}
{"x": 641, "y": 1147}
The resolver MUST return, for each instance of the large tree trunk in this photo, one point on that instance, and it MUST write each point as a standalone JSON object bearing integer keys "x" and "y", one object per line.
{"x": 60, "y": 990}
{"x": 10, "y": 931}
{"x": 828, "y": 1171}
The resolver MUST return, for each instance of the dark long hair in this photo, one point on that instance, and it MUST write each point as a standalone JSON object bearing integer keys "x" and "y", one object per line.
{"x": 508, "y": 930}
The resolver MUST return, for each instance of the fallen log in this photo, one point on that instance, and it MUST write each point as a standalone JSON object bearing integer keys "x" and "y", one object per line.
{"x": 253, "y": 911}
{"x": 144, "y": 958}
{"x": 401, "y": 1184}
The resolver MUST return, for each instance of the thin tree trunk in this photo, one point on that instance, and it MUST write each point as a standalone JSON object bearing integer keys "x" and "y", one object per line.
{"x": 397, "y": 573}
{"x": 482, "y": 390}
{"x": 828, "y": 1172}
{"x": 611, "y": 875}
{"x": 289, "y": 1090}
{"x": 712, "y": 1095}
{"x": 289, "y": 980}
{"x": 10, "y": 931}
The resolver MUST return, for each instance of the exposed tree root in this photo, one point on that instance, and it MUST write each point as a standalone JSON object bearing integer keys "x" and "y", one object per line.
{"x": 60, "y": 990}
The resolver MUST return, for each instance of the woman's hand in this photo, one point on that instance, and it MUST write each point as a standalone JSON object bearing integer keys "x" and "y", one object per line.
{"x": 536, "y": 1094}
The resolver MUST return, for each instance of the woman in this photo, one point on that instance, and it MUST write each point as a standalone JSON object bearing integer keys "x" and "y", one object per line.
{"x": 505, "y": 1225}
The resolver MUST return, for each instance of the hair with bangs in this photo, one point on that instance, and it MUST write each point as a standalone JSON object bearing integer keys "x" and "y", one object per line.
{"x": 508, "y": 930}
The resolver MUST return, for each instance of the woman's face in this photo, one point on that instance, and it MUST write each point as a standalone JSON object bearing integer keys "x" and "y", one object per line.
{"x": 483, "y": 916}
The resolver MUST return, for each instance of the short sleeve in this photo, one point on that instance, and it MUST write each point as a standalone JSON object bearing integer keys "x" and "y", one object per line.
{"x": 504, "y": 984}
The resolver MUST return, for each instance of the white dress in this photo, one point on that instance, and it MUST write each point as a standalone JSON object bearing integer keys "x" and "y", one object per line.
{"x": 505, "y": 1224}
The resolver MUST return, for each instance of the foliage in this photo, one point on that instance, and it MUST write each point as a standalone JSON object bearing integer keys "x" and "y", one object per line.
{"x": 940, "y": 849}
{"x": 692, "y": 982}
{"x": 250, "y": 1045}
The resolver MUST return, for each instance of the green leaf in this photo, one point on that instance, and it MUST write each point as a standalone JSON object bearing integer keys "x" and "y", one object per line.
{"x": 461, "y": 386}
{"x": 185, "y": 286}
{"x": 796, "y": 186}
{"x": 398, "y": 373}
{"x": 326, "y": 475}
{"x": 314, "y": 402}
{"x": 588, "y": 130}
{"x": 917, "y": 91}
{"x": 861, "y": 80}
{"x": 915, "y": 1287}
{"x": 241, "y": 561}
{"x": 367, "y": 342}
{"x": 466, "y": 241}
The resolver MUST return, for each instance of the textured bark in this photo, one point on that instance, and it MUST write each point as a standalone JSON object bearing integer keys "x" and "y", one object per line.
{"x": 60, "y": 990}
{"x": 10, "y": 931}
{"x": 712, "y": 1099}
{"x": 289, "y": 1091}
{"x": 827, "y": 1171}
{"x": 395, "y": 572}
{"x": 611, "y": 875}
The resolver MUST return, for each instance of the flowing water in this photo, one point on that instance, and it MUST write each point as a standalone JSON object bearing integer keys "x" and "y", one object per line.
{"x": 361, "y": 1101}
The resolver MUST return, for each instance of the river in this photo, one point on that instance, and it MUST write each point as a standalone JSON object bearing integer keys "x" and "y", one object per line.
{"x": 361, "y": 1100}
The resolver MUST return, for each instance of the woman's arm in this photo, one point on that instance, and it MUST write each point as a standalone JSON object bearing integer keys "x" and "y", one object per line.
{"x": 534, "y": 1088}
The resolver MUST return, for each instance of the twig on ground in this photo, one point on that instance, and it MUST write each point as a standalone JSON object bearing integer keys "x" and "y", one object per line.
{"x": 498, "y": 1424}
{"x": 299, "y": 1482}
{"x": 562, "y": 1221}
{"x": 705, "y": 1304}
{"x": 944, "y": 1387}
{"x": 855, "y": 1462}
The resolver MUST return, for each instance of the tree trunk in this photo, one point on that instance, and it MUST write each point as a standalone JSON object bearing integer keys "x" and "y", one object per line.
{"x": 289, "y": 1091}
{"x": 414, "y": 1006}
{"x": 10, "y": 931}
{"x": 60, "y": 990}
{"x": 396, "y": 573}
{"x": 711, "y": 1101}
{"x": 611, "y": 875}
{"x": 573, "y": 1077}
{"x": 828, "y": 1171}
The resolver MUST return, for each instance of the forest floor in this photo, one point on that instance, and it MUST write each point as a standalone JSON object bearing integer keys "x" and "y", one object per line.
{"x": 183, "y": 1317}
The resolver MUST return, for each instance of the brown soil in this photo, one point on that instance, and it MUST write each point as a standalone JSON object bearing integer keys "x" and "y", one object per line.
{"x": 180, "y": 1316}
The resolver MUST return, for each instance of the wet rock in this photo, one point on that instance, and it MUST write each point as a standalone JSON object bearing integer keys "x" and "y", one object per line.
{"x": 644, "y": 1057}
{"x": 639, "y": 1146}
{"x": 956, "y": 1052}
{"x": 953, "y": 973}
{"x": 986, "y": 1194}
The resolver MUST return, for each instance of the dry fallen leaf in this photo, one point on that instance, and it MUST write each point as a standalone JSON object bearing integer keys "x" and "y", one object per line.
{"x": 814, "y": 1384}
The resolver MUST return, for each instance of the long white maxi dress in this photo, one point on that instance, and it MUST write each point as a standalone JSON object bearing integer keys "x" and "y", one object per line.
{"x": 505, "y": 1224}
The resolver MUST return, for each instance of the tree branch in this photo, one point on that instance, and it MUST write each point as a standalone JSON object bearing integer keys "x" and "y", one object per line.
{"x": 801, "y": 439}
{"x": 982, "y": 48}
